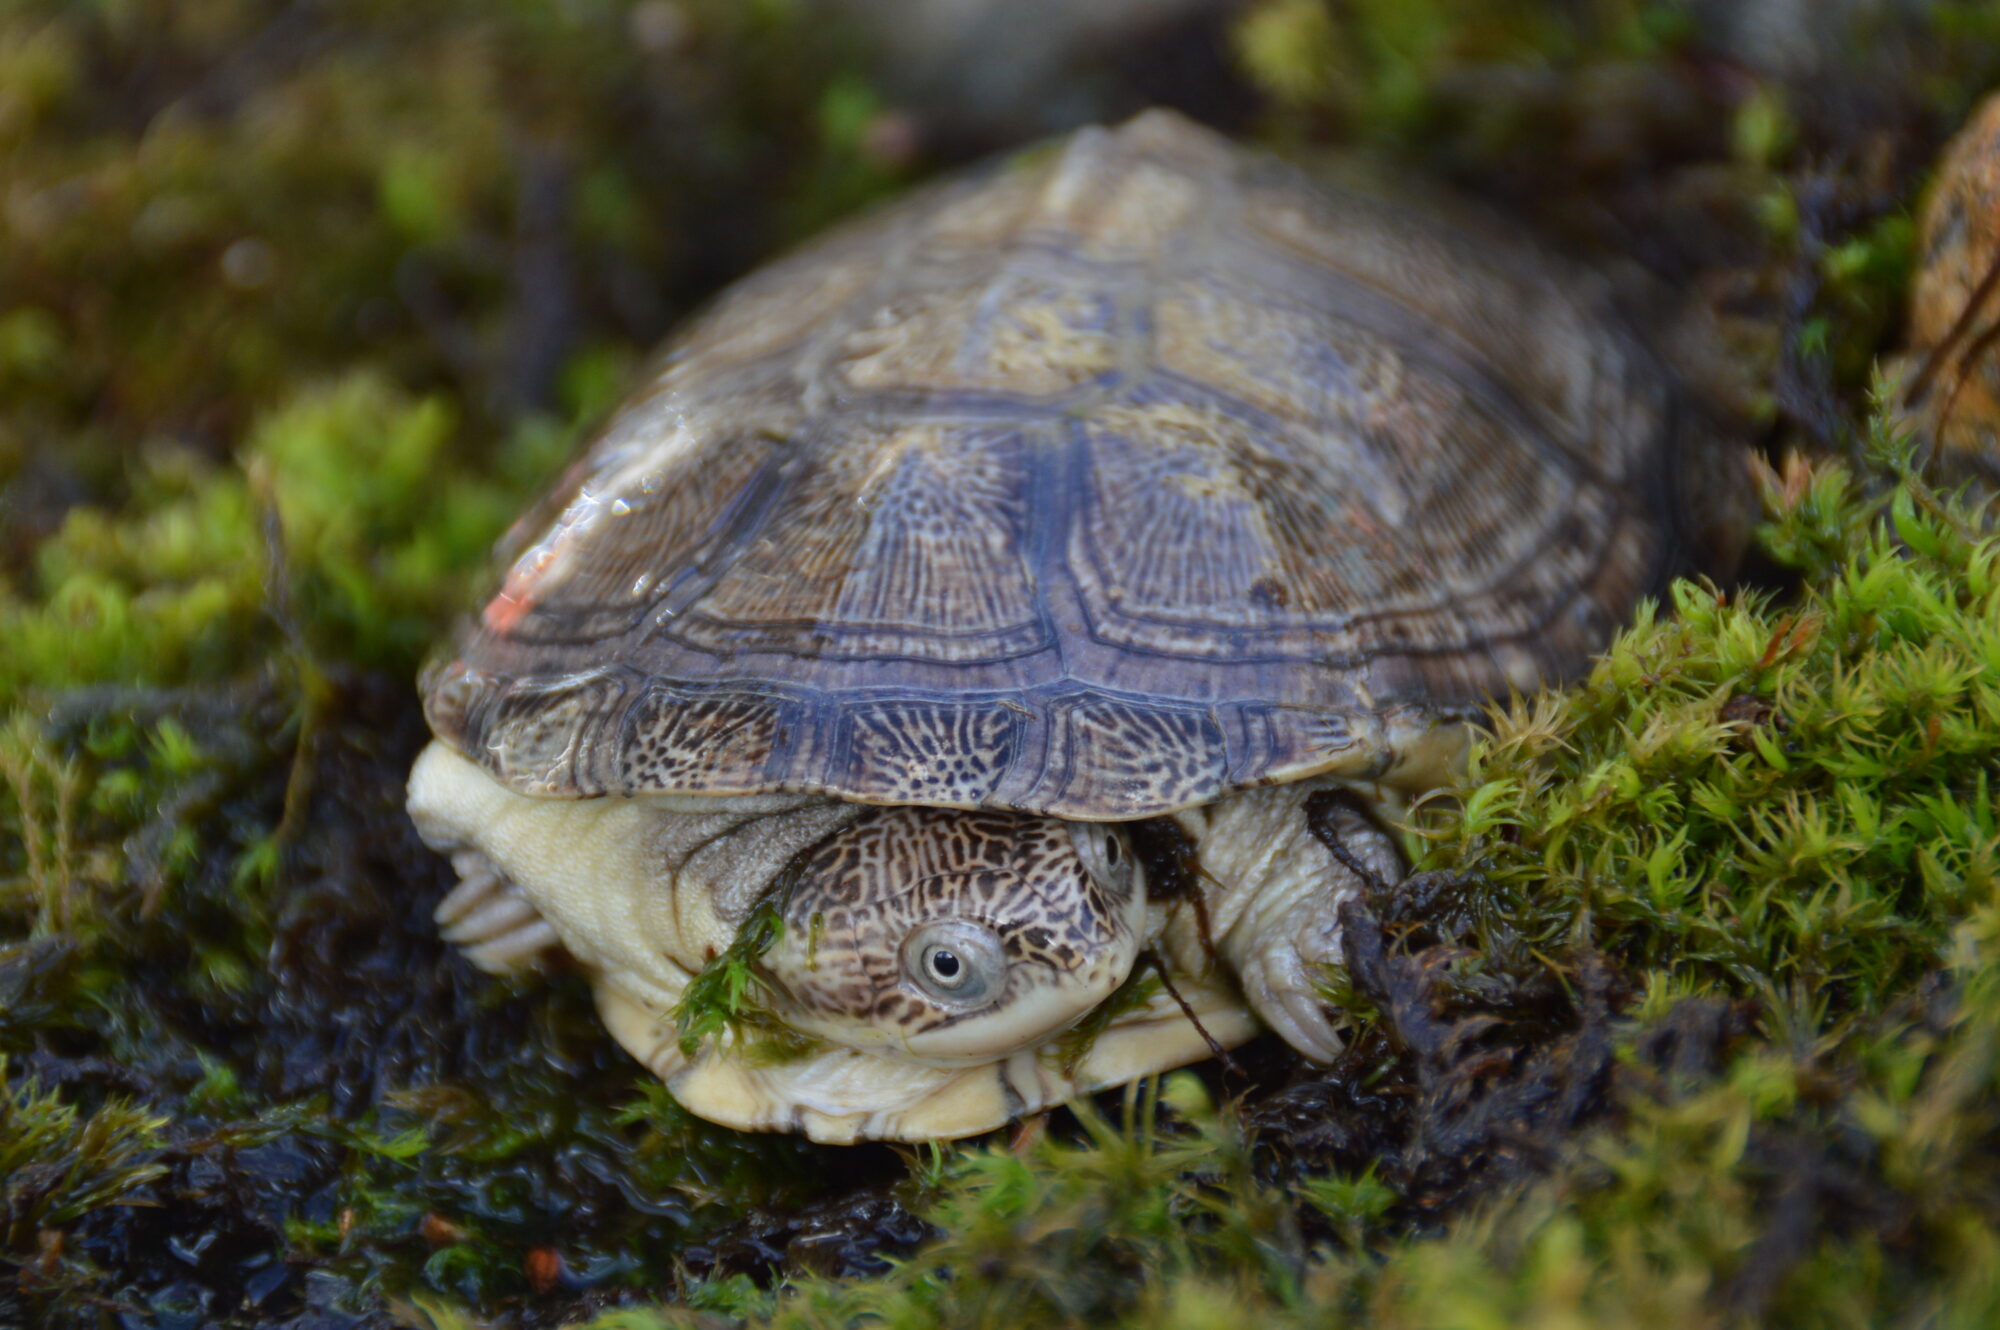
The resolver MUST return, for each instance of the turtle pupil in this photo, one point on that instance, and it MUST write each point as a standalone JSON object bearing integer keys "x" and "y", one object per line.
{"x": 944, "y": 965}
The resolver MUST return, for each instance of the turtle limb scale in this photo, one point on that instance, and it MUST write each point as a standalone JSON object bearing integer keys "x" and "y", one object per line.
{"x": 1274, "y": 900}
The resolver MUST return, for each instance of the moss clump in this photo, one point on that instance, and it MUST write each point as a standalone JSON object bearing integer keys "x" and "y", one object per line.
{"x": 60, "y": 1164}
{"x": 346, "y": 521}
{"x": 730, "y": 993}
{"x": 1790, "y": 802}
{"x": 730, "y": 1000}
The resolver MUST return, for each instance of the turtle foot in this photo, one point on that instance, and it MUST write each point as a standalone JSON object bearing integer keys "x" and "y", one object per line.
{"x": 491, "y": 920}
{"x": 1290, "y": 933}
{"x": 1279, "y": 983}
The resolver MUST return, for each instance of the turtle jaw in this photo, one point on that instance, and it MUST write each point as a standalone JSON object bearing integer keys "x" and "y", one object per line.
{"x": 1040, "y": 1011}
{"x": 839, "y": 1096}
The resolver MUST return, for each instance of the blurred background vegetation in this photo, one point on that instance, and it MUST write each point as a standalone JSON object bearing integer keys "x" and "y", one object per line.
{"x": 1691, "y": 1017}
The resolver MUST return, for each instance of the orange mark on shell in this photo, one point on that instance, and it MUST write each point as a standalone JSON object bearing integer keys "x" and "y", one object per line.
{"x": 516, "y": 596}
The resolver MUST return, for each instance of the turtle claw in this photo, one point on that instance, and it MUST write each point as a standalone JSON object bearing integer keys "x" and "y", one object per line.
{"x": 1279, "y": 985}
{"x": 491, "y": 920}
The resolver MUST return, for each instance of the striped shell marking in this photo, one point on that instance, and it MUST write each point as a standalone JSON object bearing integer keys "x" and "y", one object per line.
{"x": 1133, "y": 470}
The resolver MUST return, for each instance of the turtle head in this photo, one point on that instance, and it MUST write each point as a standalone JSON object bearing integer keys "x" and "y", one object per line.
{"x": 953, "y": 938}
{"x": 935, "y": 955}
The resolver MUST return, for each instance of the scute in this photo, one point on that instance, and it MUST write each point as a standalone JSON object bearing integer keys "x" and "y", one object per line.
{"x": 1098, "y": 483}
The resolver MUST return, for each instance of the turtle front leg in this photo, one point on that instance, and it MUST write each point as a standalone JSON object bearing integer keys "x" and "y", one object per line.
{"x": 1274, "y": 899}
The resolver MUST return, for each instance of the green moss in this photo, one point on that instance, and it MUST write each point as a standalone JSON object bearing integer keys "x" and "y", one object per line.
{"x": 731, "y": 996}
{"x": 1384, "y": 69}
{"x": 59, "y": 1164}
{"x": 1290, "y": 46}
{"x": 346, "y": 515}
{"x": 1796, "y": 793}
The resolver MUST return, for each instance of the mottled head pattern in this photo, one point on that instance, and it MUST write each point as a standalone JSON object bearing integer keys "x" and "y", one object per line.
{"x": 953, "y": 936}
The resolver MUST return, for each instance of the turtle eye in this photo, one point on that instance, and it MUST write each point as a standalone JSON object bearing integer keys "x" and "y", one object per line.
{"x": 1102, "y": 850}
{"x": 957, "y": 963}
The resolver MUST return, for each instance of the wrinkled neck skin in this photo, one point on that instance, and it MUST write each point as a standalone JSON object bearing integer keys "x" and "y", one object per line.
{"x": 644, "y": 892}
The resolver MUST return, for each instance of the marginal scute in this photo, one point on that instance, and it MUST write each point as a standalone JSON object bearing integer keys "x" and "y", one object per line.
{"x": 678, "y": 739}
{"x": 1302, "y": 743}
{"x": 551, "y": 740}
{"x": 928, "y": 753}
{"x": 1131, "y": 471}
{"x": 1111, "y": 755}
{"x": 452, "y": 694}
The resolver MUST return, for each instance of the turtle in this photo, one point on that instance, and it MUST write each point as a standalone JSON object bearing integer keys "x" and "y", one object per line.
{"x": 1137, "y": 485}
{"x": 1946, "y": 379}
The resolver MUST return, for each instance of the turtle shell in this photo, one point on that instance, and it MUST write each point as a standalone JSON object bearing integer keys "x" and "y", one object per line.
{"x": 1132, "y": 470}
